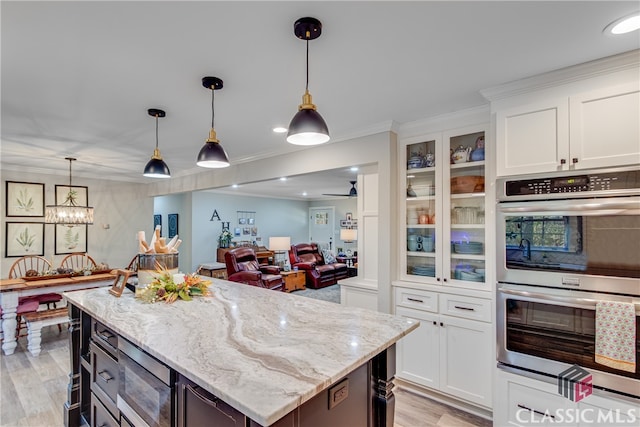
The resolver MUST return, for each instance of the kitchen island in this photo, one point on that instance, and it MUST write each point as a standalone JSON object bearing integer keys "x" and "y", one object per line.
{"x": 275, "y": 358}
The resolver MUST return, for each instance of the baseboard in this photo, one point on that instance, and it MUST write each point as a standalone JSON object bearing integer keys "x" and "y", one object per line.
{"x": 444, "y": 399}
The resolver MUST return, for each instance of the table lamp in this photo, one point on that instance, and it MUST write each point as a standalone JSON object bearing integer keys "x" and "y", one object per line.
{"x": 280, "y": 245}
{"x": 348, "y": 235}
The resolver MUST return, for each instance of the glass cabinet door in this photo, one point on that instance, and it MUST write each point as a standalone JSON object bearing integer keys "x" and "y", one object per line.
{"x": 422, "y": 201}
{"x": 465, "y": 178}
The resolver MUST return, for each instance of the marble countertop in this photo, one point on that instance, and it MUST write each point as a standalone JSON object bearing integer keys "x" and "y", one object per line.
{"x": 263, "y": 352}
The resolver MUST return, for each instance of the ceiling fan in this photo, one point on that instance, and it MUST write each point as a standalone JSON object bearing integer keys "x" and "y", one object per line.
{"x": 352, "y": 193}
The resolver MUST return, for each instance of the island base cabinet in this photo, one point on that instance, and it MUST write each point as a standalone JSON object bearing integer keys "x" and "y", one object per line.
{"x": 345, "y": 404}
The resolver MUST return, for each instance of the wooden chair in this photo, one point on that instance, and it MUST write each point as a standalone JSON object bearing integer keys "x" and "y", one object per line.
{"x": 29, "y": 262}
{"x": 25, "y": 304}
{"x": 78, "y": 261}
{"x": 133, "y": 264}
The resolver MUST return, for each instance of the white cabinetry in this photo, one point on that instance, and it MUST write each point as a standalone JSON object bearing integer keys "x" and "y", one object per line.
{"x": 442, "y": 233}
{"x": 589, "y": 129}
{"x": 452, "y": 351}
{"x": 526, "y": 401}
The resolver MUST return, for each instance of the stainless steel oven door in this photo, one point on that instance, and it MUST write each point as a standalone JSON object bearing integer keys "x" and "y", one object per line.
{"x": 586, "y": 244}
{"x": 547, "y": 330}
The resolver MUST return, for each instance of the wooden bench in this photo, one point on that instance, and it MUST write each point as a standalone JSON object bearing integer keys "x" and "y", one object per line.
{"x": 37, "y": 320}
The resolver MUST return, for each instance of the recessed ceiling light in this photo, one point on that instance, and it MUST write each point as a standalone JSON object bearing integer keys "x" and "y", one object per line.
{"x": 283, "y": 178}
{"x": 354, "y": 168}
{"x": 279, "y": 129}
{"x": 624, "y": 25}
{"x": 304, "y": 193}
{"x": 234, "y": 186}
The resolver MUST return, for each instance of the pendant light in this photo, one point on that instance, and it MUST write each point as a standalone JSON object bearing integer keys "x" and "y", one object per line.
{"x": 69, "y": 212}
{"x": 156, "y": 167}
{"x": 212, "y": 155}
{"x": 307, "y": 127}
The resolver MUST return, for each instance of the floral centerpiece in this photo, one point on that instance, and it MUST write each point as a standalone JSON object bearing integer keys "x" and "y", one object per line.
{"x": 164, "y": 288}
{"x": 225, "y": 238}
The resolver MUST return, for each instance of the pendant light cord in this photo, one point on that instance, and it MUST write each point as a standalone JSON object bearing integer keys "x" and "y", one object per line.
{"x": 70, "y": 161}
{"x": 212, "y": 107}
{"x": 156, "y": 131}
{"x": 307, "y": 86}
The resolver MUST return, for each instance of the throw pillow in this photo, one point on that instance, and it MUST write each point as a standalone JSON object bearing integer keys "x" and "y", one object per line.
{"x": 329, "y": 258}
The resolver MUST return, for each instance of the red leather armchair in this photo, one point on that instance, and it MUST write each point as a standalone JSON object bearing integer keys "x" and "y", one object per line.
{"x": 307, "y": 257}
{"x": 242, "y": 267}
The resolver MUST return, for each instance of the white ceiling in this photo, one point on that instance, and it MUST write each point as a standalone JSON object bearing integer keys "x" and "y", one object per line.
{"x": 79, "y": 76}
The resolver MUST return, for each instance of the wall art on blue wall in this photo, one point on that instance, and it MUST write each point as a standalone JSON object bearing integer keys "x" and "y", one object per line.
{"x": 157, "y": 220}
{"x": 173, "y": 225}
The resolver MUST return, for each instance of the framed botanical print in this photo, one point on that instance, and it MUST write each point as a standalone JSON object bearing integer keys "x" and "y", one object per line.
{"x": 76, "y": 195}
{"x": 24, "y": 199}
{"x": 24, "y": 238}
{"x": 70, "y": 238}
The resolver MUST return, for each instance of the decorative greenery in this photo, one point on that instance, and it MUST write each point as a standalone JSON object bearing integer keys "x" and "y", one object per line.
{"x": 163, "y": 288}
{"x": 25, "y": 239}
{"x": 24, "y": 201}
{"x": 225, "y": 238}
{"x": 71, "y": 198}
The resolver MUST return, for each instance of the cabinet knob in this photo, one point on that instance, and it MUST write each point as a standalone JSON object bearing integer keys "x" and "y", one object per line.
{"x": 441, "y": 324}
{"x": 435, "y": 323}
{"x": 574, "y": 160}
{"x": 563, "y": 161}
{"x": 437, "y": 279}
{"x": 444, "y": 280}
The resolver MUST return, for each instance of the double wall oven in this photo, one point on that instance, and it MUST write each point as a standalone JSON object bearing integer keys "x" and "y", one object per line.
{"x": 566, "y": 242}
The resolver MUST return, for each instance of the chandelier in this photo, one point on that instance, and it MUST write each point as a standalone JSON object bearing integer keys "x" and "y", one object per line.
{"x": 69, "y": 212}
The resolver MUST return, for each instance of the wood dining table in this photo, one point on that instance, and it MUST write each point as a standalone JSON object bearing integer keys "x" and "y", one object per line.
{"x": 13, "y": 289}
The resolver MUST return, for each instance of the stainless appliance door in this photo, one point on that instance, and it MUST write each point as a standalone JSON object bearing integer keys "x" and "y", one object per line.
{"x": 571, "y": 243}
{"x": 145, "y": 392}
{"x": 548, "y": 330}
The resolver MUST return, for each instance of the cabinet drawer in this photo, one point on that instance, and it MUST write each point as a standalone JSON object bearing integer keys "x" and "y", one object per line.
{"x": 100, "y": 416}
{"x": 418, "y": 299}
{"x": 105, "y": 336}
{"x": 465, "y": 307}
{"x": 529, "y": 406}
{"x": 104, "y": 377}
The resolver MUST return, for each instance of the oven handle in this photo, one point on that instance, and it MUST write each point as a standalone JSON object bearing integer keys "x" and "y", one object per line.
{"x": 604, "y": 206}
{"x": 576, "y": 302}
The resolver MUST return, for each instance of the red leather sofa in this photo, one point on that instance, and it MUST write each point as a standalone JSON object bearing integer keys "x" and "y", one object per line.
{"x": 307, "y": 257}
{"x": 242, "y": 266}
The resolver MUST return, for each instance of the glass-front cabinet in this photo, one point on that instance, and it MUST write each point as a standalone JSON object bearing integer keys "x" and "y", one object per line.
{"x": 444, "y": 208}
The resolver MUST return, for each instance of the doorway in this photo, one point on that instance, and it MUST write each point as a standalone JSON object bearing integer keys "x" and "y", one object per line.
{"x": 321, "y": 225}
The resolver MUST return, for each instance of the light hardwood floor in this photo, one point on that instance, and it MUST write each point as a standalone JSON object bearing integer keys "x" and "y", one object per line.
{"x": 33, "y": 390}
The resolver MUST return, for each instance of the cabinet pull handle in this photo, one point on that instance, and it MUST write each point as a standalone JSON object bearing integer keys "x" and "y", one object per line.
{"x": 459, "y": 307}
{"x": 212, "y": 402}
{"x": 574, "y": 160}
{"x": 105, "y": 335}
{"x": 544, "y": 414}
{"x": 563, "y": 161}
{"x": 105, "y": 376}
{"x": 415, "y": 300}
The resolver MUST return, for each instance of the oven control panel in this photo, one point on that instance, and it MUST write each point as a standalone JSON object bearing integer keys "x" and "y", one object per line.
{"x": 627, "y": 180}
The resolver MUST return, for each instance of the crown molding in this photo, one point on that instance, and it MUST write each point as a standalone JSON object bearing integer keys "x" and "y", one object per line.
{"x": 624, "y": 61}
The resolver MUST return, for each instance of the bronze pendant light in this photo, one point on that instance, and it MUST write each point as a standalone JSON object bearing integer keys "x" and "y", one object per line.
{"x": 212, "y": 155}
{"x": 307, "y": 127}
{"x": 156, "y": 167}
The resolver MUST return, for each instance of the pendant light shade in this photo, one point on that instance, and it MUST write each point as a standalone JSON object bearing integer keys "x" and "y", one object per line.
{"x": 307, "y": 127}
{"x": 156, "y": 167}
{"x": 69, "y": 212}
{"x": 212, "y": 154}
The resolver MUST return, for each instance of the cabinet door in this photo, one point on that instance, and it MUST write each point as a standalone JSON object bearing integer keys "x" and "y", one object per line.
{"x": 418, "y": 353}
{"x": 463, "y": 251}
{"x": 605, "y": 127}
{"x": 467, "y": 357}
{"x": 597, "y": 410}
{"x": 533, "y": 138}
